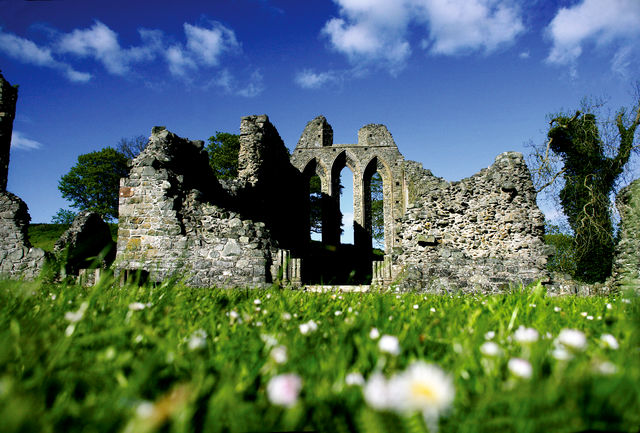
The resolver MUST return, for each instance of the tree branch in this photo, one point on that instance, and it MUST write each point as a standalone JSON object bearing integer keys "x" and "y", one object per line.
{"x": 553, "y": 179}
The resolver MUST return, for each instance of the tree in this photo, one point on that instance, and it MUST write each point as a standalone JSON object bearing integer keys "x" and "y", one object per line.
{"x": 63, "y": 216}
{"x": 131, "y": 147}
{"x": 563, "y": 260}
{"x": 223, "y": 149}
{"x": 377, "y": 211}
{"x": 315, "y": 204}
{"x": 93, "y": 183}
{"x": 590, "y": 156}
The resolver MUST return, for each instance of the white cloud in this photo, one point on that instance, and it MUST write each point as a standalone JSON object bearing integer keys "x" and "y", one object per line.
{"x": 377, "y": 31}
{"x": 203, "y": 49}
{"x": 524, "y": 55}
{"x": 19, "y": 141}
{"x": 179, "y": 61}
{"x": 371, "y": 31}
{"x": 622, "y": 61}
{"x": 207, "y": 45}
{"x": 101, "y": 43}
{"x": 226, "y": 81}
{"x": 254, "y": 87}
{"x": 593, "y": 21}
{"x": 27, "y": 51}
{"x": 308, "y": 79}
{"x": 458, "y": 26}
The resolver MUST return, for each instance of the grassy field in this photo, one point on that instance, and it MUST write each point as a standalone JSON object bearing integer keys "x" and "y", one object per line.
{"x": 174, "y": 359}
{"x": 45, "y": 235}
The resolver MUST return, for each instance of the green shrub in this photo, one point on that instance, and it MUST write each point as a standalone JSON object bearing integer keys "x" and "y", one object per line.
{"x": 563, "y": 260}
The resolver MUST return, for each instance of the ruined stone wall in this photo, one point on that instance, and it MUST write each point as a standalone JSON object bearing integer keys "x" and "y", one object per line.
{"x": 168, "y": 226}
{"x": 375, "y": 152}
{"x": 269, "y": 188}
{"x": 18, "y": 259}
{"x": 8, "y": 99}
{"x": 176, "y": 218}
{"x": 626, "y": 265}
{"x": 482, "y": 232}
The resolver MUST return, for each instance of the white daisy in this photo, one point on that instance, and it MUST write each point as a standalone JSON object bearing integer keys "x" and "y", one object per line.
{"x": 284, "y": 389}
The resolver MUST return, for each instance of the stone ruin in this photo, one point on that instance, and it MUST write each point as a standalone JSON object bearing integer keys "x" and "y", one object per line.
{"x": 177, "y": 219}
{"x": 626, "y": 264}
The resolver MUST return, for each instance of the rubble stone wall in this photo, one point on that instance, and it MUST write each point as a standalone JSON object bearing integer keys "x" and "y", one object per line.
{"x": 18, "y": 259}
{"x": 482, "y": 232}
{"x": 176, "y": 218}
{"x": 626, "y": 265}
{"x": 269, "y": 188}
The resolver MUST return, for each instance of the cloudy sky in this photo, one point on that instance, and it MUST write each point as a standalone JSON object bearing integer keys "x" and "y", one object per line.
{"x": 456, "y": 81}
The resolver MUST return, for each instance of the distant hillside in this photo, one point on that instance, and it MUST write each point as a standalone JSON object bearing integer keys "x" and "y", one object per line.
{"x": 45, "y": 235}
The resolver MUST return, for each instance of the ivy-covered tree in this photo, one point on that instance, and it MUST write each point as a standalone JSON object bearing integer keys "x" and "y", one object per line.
{"x": 592, "y": 156}
{"x": 93, "y": 183}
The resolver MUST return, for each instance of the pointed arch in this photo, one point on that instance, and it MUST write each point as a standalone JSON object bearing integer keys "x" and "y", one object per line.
{"x": 378, "y": 165}
{"x": 315, "y": 167}
{"x": 342, "y": 160}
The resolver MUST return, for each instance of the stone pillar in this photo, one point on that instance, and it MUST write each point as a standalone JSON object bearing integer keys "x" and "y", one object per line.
{"x": 362, "y": 211}
{"x": 361, "y": 236}
{"x": 331, "y": 212}
{"x": 8, "y": 99}
{"x": 626, "y": 263}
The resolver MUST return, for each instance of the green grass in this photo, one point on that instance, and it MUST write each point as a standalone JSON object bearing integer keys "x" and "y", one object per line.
{"x": 45, "y": 235}
{"x": 134, "y": 363}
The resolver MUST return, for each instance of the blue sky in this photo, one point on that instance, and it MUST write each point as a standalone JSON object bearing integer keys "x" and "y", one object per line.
{"x": 456, "y": 81}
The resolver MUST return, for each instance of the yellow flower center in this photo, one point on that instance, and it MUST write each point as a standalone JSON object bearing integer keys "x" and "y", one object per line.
{"x": 421, "y": 390}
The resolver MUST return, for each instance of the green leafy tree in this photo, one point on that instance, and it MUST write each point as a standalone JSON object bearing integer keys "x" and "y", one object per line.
{"x": 377, "y": 211}
{"x": 93, "y": 183}
{"x": 590, "y": 157}
{"x": 563, "y": 260}
{"x": 223, "y": 149}
{"x": 63, "y": 216}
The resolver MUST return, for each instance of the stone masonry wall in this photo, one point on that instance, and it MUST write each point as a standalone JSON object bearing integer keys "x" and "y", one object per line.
{"x": 168, "y": 226}
{"x": 626, "y": 265}
{"x": 270, "y": 188}
{"x": 375, "y": 151}
{"x": 176, "y": 218}
{"x": 18, "y": 259}
{"x": 482, "y": 232}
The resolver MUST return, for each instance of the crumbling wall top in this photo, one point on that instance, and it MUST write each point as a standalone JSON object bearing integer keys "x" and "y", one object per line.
{"x": 262, "y": 151}
{"x": 317, "y": 133}
{"x": 375, "y": 135}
